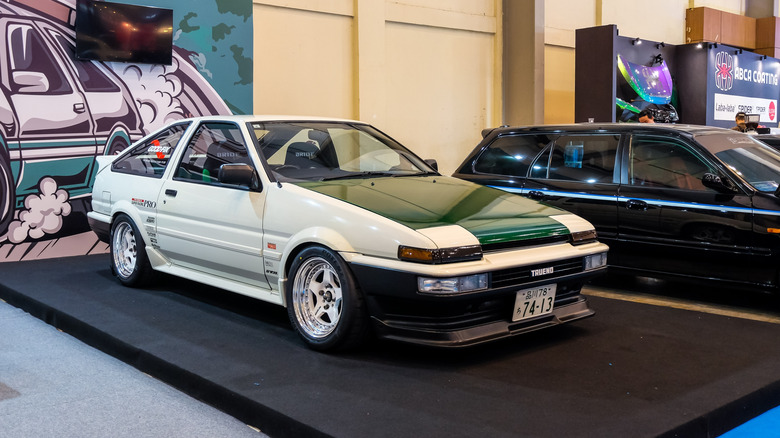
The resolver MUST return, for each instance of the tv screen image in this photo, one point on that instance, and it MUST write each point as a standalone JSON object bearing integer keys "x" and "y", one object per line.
{"x": 107, "y": 31}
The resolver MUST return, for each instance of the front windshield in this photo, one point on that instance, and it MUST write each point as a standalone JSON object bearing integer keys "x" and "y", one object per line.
{"x": 757, "y": 163}
{"x": 316, "y": 151}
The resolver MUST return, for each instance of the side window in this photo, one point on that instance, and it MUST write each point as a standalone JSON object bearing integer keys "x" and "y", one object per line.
{"x": 213, "y": 145}
{"x": 33, "y": 70}
{"x": 510, "y": 155}
{"x": 586, "y": 158}
{"x": 663, "y": 162}
{"x": 88, "y": 74}
{"x": 150, "y": 157}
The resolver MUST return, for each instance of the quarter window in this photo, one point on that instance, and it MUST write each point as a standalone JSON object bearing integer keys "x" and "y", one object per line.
{"x": 213, "y": 145}
{"x": 586, "y": 158}
{"x": 661, "y": 162}
{"x": 510, "y": 155}
{"x": 150, "y": 157}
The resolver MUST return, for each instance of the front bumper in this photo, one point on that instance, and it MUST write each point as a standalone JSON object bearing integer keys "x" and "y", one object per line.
{"x": 400, "y": 313}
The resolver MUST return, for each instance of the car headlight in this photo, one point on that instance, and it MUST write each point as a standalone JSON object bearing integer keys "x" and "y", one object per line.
{"x": 468, "y": 283}
{"x": 580, "y": 237}
{"x": 595, "y": 261}
{"x": 440, "y": 255}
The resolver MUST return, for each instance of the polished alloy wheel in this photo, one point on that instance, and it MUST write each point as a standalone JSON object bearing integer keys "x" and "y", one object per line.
{"x": 125, "y": 249}
{"x": 316, "y": 297}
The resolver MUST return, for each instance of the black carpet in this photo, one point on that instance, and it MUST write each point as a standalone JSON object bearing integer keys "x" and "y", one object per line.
{"x": 632, "y": 370}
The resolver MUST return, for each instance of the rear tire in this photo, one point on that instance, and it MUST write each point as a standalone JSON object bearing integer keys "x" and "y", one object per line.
{"x": 129, "y": 261}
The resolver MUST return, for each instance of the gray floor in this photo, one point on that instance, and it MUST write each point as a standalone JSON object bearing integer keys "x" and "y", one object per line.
{"x": 52, "y": 385}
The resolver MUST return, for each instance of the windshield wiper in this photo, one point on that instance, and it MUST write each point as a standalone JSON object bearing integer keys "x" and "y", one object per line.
{"x": 353, "y": 175}
{"x": 421, "y": 173}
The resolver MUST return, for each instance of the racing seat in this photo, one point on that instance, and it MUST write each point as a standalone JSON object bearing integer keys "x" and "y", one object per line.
{"x": 222, "y": 152}
{"x": 302, "y": 155}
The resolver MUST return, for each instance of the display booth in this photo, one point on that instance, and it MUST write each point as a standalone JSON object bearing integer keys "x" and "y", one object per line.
{"x": 700, "y": 83}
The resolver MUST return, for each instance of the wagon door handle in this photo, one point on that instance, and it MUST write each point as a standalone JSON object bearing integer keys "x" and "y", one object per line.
{"x": 79, "y": 108}
{"x": 636, "y": 204}
{"x": 536, "y": 195}
{"x": 170, "y": 192}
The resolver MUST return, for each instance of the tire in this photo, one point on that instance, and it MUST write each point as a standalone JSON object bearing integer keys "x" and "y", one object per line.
{"x": 118, "y": 145}
{"x": 324, "y": 304}
{"x": 129, "y": 261}
{"x": 7, "y": 194}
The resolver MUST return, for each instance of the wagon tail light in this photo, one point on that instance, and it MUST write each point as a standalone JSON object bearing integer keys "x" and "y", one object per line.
{"x": 440, "y": 255}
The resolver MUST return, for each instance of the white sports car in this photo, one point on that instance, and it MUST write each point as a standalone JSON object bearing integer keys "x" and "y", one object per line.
{"x": 346, "y": 228}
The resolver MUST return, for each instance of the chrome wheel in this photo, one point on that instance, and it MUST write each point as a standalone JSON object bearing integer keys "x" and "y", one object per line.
{"x": 124, "y": 249}
{"x": 317, "y": 297}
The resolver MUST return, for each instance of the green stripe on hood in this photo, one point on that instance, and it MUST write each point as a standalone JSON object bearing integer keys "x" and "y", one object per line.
{"x": 492, "y": 215}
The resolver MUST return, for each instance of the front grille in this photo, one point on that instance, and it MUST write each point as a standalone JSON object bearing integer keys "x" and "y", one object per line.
{"x": 503, "y": 246}
{"x": 522, "y": 275}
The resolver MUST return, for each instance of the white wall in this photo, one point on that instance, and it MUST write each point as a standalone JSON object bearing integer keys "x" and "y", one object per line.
{"x": 427, "y": 72}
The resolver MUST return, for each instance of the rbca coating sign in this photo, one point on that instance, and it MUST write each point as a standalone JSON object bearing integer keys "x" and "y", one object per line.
{"x": 741, "y": 81}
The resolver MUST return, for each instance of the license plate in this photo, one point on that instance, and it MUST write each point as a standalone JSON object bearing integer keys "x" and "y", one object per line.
{"x": 533, "y": 302}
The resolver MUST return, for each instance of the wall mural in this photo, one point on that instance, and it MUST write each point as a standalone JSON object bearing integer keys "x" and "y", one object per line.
{"x": 58, "y": 113}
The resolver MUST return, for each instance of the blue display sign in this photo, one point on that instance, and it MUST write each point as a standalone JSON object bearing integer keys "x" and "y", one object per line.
{"x": 741, "y": 81}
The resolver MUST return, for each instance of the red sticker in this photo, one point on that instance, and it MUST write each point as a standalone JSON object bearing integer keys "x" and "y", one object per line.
{"x": 160, "y": 155}
{"x": 156, "y": 142}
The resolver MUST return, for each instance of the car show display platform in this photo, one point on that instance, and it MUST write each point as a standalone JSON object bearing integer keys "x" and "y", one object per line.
{"x": 632, "y": 370}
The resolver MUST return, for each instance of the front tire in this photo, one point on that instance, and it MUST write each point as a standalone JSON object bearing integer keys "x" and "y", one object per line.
{"x": 324, "y": 304}
{"x": 129, "y": 261}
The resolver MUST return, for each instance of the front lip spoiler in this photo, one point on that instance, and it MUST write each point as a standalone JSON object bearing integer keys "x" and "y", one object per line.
{"x": 482, "y": 333}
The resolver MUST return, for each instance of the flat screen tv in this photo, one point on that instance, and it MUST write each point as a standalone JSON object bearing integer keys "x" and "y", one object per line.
{"x": 119, "y": 32}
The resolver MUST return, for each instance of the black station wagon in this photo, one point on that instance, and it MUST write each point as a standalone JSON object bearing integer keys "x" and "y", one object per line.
{"x": 691, "y": 202}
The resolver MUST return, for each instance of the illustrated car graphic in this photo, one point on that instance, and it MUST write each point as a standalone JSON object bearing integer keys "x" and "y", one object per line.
{"x": 685, "y": 202}
{"x": 56, "y": 114}
{"x": 348, "y": 229}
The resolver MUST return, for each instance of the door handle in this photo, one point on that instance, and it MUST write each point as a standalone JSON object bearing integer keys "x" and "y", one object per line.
{"x": 170, "y": 192}
{"x": 537, "y": 195}
{"x": 79, "y": 108}
{"x": 636, "y": 204}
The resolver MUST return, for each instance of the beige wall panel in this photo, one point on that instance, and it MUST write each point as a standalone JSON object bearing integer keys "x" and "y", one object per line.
{"x": 475, "y": 7}
{"x": 439, "y": 90}
{"x": 303, "y": 63}
{"x": 569, "y": 14}
{"x": 661, "y": 20}
{"x": 559, "y": 85}
{"x": 732, "y": 6}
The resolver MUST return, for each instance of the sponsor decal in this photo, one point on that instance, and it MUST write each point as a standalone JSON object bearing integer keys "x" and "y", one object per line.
{"x": 542, "y": 271}
{"x": 143, "y": 203}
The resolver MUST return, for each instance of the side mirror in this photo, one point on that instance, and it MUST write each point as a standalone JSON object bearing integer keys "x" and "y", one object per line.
{"x": 239, "y": 174}
{"x": 31, "y": 81}
{"x": 715, "y": 182}
{"x": 433, "y": 164}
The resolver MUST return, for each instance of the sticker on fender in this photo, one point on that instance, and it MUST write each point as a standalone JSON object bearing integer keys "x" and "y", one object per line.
{"x": 533, "y": 302}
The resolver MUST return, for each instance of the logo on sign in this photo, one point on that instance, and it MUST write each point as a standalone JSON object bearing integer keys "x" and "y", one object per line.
{"x": 772, "y": 111}
{"x": 724, "y": 64}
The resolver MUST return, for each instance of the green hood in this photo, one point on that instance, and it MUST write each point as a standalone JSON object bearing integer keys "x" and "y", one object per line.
{"x": 492, "y": 215}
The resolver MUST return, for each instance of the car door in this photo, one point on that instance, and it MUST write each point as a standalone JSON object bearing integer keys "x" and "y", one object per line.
{"x": 51, "y": 114}
{"x": 208, "y": 226}
{"x": 669, "y": 221}
{"x": 577, "y": 173}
